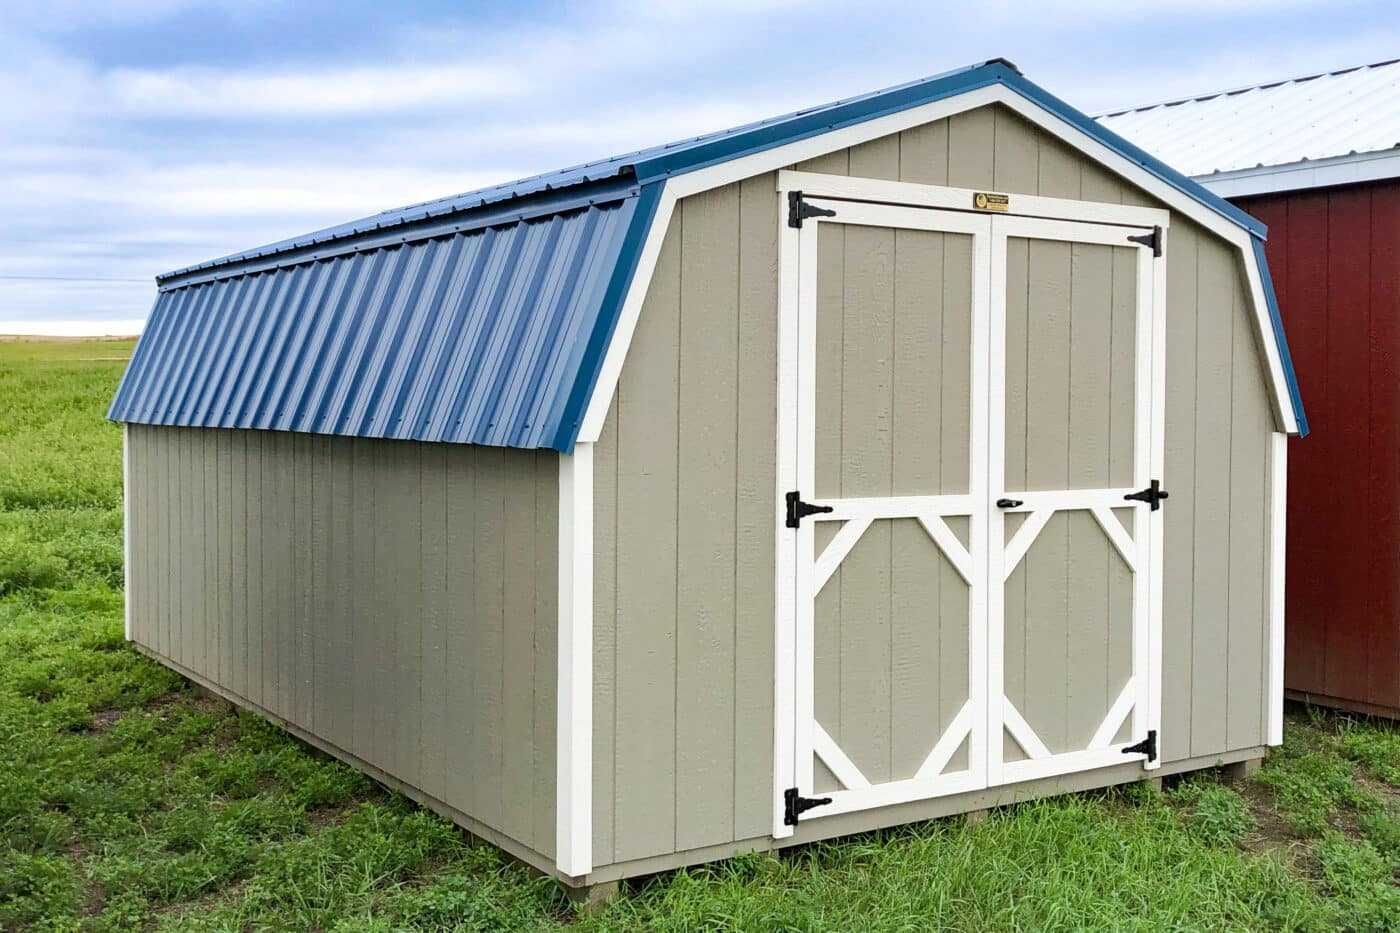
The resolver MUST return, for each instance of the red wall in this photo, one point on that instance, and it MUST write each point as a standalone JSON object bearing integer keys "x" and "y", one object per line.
{"x": 1335, "y": 259}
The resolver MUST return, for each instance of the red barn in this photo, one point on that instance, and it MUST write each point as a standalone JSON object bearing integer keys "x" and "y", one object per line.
{"x": 1318, "y": 160}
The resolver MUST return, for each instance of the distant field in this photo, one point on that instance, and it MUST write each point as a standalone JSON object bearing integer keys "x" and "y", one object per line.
{"x": 130, "y": 802}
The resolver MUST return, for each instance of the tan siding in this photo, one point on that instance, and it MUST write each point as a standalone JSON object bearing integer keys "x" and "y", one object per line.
{"x": 332, "y": 582}
{"x": 648, "y": 646}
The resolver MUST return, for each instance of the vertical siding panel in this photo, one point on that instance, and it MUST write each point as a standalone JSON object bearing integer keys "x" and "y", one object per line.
{"x": 488, "y": 632}
{"x": 648, "y": 512}
{"x": 362, "y": 609}
{"x": 833, "y": 163}
{"x": 878, "y": 158}
{"x": 227, "y": 581}
{"x": 279, "y": 630}
{"x": 209, "y": 550}
{"x": 705, "y": 558}
{"x": 310, "y": 533}
{"x": 1211, "y": 574}
{"x": 545, "y": 651}
{"x": 605, "y": 543}
{"x": 757, "y": 479}
{"x": 971, "y": 145}
{"x": 439, "y": 721}
{"x": 1247, "y": 637}
{"x": 1060, "y": 172}
{"x": 1346, "y": 415}
{"x": 517, "y": 658}
{"x": 1178, "y": 528}
{"x": 1383, "y": 581}
{"x": 1096, "y": 183}
{"x": 460, "y": 624}
{"x": 1016, "y": 154}
{"x": 923, "y": 154}
{"x": 240, "y": 569}
{"x": 257, "y": 564}
{"x": 405, "y": 613}
{"x": 335, "y": 659}
{"x": 184, "y": 580}
{"x": 829, "y": 429}
{"x": 1310, "y": 596}
{"x": 866, "y": 459}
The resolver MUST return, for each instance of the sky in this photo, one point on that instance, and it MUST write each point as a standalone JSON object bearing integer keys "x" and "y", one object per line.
{"x": 141, "y": 136}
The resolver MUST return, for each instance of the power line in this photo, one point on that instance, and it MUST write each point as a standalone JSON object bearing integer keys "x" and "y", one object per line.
{"x": 69, "y": 278}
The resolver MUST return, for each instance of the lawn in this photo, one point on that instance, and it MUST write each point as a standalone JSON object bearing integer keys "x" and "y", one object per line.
{"x": 129, "y": 800}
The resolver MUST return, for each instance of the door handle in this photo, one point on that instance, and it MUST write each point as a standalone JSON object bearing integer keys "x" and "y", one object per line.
{"x": 1009, "y": 503}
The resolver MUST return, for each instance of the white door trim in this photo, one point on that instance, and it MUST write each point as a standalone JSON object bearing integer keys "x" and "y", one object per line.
{"x": 1278, "y": 552}
{"x": 126, "y": 530}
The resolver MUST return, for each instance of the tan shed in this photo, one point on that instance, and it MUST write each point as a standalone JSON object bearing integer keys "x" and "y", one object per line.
{"x": 784, "y": 483}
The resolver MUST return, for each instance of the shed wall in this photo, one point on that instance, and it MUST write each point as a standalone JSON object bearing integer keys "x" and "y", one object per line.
{"x": 686, "y": 473}
{"x": 1335, "y": 258}
{"x": 395, "y": 600}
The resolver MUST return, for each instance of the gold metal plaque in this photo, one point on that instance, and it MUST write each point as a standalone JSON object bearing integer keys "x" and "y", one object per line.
{"x": 987, "y": 201}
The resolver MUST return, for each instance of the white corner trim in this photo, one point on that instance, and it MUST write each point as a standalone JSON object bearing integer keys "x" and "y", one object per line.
{"x": 1278, "y": 530}
{"x": 126, "y": 530}
{"x": 1302, "y": 175}
{"x": 781, "y": 157}
{"x": 592, "y": 427}
{"x": 574, "y": 749}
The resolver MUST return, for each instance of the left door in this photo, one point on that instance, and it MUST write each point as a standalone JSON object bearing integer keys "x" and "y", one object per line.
{"x": 890, "y": 585}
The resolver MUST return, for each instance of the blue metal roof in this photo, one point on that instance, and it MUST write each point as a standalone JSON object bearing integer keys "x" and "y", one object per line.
{"x": 481, "y": 318}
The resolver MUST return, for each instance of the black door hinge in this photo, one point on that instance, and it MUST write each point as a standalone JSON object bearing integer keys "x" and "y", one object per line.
{"x": 794, "y": 805}
{"x": 1147, "y": 746}
{"x": 1152, "y": 495}
{"x": 798, "y": 510}
{"x": 1153, "y": 239}
{"x": 799, "y": 210}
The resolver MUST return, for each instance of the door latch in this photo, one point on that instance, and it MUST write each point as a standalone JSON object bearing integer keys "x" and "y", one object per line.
{"x": 798, "y": 510}
{"x": 1152, "y": 495}
{"x": 1009, "y": 503}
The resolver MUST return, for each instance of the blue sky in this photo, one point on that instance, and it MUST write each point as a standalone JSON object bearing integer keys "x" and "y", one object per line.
{"x": 141, "y": 136}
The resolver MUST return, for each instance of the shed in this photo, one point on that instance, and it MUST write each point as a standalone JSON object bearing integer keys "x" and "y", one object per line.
{"x": 774, "y": 485}
{"x": 1318, "y": 158}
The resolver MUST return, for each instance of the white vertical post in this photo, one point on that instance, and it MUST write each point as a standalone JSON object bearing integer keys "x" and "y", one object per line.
{"x": 1278, "y": 529}
{"x": 574, "y": 749}
{"x": 126, "y": 529}
{"x": 1157, "y": 296}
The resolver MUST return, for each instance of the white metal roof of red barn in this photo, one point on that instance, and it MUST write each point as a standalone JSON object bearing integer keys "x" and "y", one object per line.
{"x": 1341, "y": 113}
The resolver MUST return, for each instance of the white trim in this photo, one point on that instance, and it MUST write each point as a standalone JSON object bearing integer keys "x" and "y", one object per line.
{"x": 574, "y": 742}
{"x": 1022, "y": 540}
{"x": 780, "y": 157}
{"x": 1127, "y": 547}
{"x": 126, "y": 530}
{"x": 1299, "y": 176}
{"x": 1278, "y": 530}
{"x": 1151, "y": 700}
{"x": 1022, "y": 732}
{"x": 597, "y": 410}
{"x": 845, "y": 770}
{"x": 951, "y": 547}
{"x": 948, "y": 744}
{"x": 893, "y": 507}
{"x": 1118, "y": 712}
{"x": 836, "y": 551}
{"x": 857, "y": 189}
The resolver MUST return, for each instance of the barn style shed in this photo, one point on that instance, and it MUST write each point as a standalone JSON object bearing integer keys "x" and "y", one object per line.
{"x": 761, "y": 488}
{"x": 1317, "y": 158}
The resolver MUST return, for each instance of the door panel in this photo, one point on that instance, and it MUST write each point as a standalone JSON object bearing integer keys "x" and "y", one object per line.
{"x": 891, "y": 593}
{"x": 1071, "y": 302}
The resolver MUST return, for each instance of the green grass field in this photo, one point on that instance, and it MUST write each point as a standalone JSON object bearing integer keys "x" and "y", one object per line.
{"x": 130, "y": 801}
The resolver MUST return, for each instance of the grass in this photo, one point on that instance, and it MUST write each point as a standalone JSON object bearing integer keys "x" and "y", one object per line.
{"x": 129, "y": 801}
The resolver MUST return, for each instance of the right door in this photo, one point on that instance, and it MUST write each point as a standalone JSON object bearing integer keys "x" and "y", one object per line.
{"x": 1074, "y": 428}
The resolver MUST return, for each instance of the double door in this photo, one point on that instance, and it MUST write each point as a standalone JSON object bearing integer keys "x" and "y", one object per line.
{"x": 968, "y": 592}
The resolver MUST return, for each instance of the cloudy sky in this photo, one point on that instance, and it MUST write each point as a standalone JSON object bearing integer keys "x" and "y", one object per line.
{"x": 138, "y": 136}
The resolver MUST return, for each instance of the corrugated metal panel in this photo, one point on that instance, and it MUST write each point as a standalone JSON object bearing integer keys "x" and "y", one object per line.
{"x": 1317, "y": 117}
{"x": 477, "y": 337}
